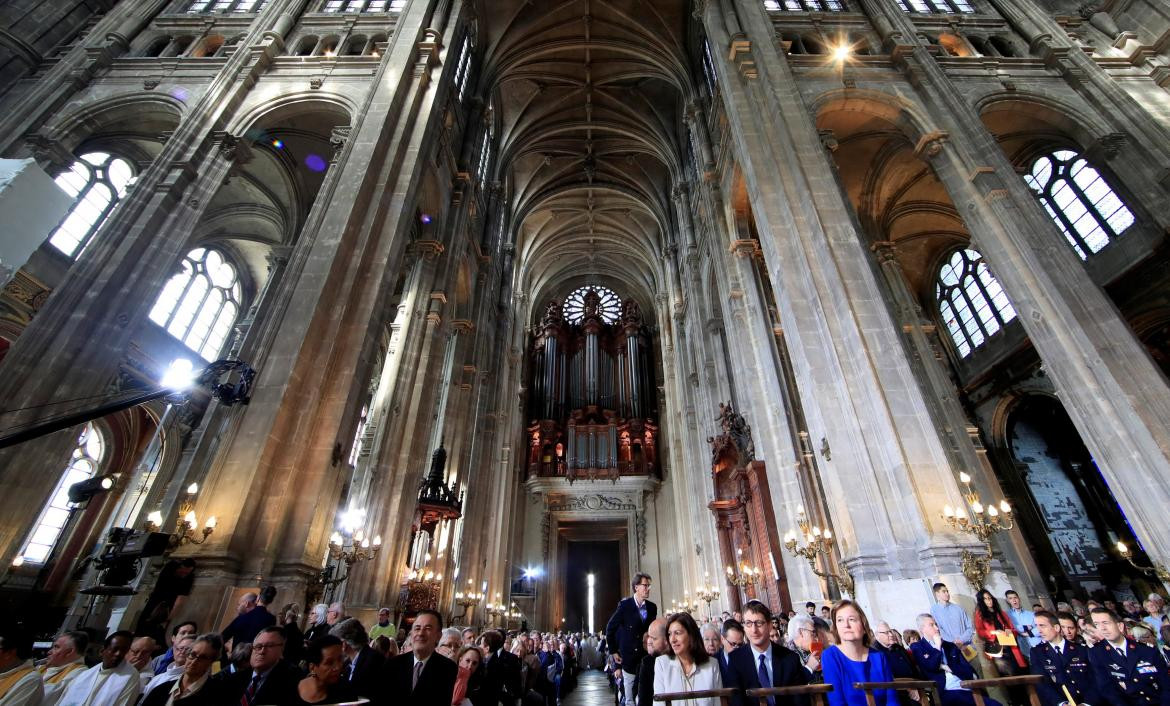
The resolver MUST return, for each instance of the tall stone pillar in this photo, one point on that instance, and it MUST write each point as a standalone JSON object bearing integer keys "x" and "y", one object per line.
{"x": 1110, "y": 387}
{"x": 884, "y": 468}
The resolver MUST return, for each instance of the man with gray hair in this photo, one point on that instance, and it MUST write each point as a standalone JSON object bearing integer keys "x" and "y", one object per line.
{"x": 803, "y": 632}
{"x": 364, "y": 662}
{"x": 943, "y": 662}
{"x": 450, "y": 640}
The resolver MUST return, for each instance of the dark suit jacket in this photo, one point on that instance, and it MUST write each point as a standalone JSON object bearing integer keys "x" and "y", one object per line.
{"x": 1146, "y": 678}
{"x": 213, "y": 693}
{"x": 435, "y": 685}
{"x": 501, "y": 679}
{"x": 930, "y": 661}
{"x": 245, "y": 627}
{"x": 1070, "y": 668}
{"x": 279, "y": 688}
{"x": 626, "y": 632}
{"x": 645, "y": 681}
{"x": 367, "y": 672}
{"x": 787, "y": 670}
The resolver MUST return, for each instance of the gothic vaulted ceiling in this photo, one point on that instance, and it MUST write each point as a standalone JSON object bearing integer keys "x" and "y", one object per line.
{"x": 586, "y": 97}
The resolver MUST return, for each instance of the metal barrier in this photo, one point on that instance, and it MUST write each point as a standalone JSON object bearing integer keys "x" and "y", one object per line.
{"x": 979, "y": 687}
{"x": 816, "y": 692}
{"x": 924, "y": 688}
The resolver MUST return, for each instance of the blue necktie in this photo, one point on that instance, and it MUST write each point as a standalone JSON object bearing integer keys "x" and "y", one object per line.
{"x": 766, "y": 681}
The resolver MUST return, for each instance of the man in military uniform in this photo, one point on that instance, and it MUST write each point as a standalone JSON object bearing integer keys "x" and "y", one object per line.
{"x": 1128, "y": 673}
{"x": 1063, "y": 664}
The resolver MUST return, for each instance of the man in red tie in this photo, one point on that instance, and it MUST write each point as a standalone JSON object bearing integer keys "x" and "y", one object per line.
{"x": 271, "y": 679}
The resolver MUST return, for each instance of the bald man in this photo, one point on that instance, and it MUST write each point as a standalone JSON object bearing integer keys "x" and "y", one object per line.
{"x": 655, "y": 645}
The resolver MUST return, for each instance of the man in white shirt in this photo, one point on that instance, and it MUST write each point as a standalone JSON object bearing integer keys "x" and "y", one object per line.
{"x": 113, "y": 682}
{"x": 20, "y": 683}
{"x": 66, "y": 662}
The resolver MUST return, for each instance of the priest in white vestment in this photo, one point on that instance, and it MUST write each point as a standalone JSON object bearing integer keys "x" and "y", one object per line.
{"x": 113, "y": 682}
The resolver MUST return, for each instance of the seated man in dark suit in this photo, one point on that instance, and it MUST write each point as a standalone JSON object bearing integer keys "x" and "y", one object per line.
{"x": 419, "y": 677}
{"x": 363, "y": 663}
{"x": 501, "y": 672}
{"x": 1063, "y": 664}
{"x": 271, "y": 679}
{"x": 943, "y": 662}
{"x": 655, "y": 645}
{"x": 625, "y": 632}
{"x": 901, "y": 663}
{"x": 763, "y": 663}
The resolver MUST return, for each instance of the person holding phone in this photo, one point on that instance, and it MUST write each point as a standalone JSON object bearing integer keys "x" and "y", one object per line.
{"x": 807, "y": 645}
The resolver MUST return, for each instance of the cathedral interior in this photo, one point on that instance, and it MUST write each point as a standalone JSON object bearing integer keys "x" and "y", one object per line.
{"x": 783, "y": 299}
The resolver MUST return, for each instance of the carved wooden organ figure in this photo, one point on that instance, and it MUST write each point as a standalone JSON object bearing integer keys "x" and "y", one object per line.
{"x": 591, "y": 397}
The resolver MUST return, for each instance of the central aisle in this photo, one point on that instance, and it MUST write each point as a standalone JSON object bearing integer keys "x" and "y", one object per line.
{"x": 592, "y": 690}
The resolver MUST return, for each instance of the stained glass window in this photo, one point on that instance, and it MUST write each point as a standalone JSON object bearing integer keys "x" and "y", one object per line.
{"x": 96, "y": 181}
{"x": 83, "y": 465}
{"x": 205, "y": 6}
{"x": 609, "y": 309}
{"x": 971, "y": 301}
{"x": 937, "y": 6}
{"x": 363, "y": 5}
{"x": 1080, "y": 201}
{"x": 199, "y": 304}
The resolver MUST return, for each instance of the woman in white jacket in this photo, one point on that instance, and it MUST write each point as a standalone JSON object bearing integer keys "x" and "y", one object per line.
{"x": 687, "y": 666}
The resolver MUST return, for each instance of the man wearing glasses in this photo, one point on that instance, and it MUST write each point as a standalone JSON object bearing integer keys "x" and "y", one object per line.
{"x": 626, "y": 631}
{"x": 271, "y": 680}
{"x": 763, "y": 663}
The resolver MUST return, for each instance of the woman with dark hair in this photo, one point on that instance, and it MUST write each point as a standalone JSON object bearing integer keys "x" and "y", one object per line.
{"x": 992, "y": 625}
{"x": 324, "y": 684}
{"x": 852, "y": 658}
{"x": 686, "y": 666}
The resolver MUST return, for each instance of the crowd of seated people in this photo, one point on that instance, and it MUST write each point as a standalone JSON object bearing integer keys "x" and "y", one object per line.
{"x": 1089, "y": 653}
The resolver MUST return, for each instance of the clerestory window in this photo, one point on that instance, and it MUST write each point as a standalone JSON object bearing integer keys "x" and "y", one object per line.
{"x": 198, "y": 7}
{"x": 97, "y": 181}
{"x": 971, "y": 301}
{"x": 83, "y": 465}
{"x": 363, "y": 5}
{"x": 199, "y": 305}
{"x": 463, "y": 70}
{"x": 937, "y": 6}
{"x": 1078, "y": 198}
{"x": 804, "y": 5}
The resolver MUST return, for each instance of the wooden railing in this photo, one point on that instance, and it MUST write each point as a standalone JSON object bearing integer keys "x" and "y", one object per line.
{"x": 924, "y": 688}
{"x": 979, "y": 687}
{"x": 724, "y": 696}
{"x": 815, "y": 692}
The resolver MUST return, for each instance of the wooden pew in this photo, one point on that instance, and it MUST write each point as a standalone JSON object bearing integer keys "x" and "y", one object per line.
{"x": 815, "y": 692}
{"x": 919, "y": 686}
{"x": 979, "y": 687}
{"x": 724, "y": 696}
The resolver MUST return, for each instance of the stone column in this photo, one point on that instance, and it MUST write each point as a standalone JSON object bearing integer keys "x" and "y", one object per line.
{"x": 885, "y": 471}
{"x": 1114, "y": 393}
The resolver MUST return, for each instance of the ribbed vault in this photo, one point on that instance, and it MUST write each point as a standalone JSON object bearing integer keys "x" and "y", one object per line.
{"x": 586, "y": 97}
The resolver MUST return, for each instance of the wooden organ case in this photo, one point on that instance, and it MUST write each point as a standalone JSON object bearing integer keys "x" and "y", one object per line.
{"x": 591, "y": 398}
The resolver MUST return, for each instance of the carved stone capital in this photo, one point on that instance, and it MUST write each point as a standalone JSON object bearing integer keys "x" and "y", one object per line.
{"x": 48, "y": 151}
{"x": 745, "y": 247}
{"x": 233, "y": 148}
{"x": 886, "y": 251}
{"x": 427, "y": 249}
{"x": 337, "y": 139}
{"x": 930, "y": 144}
{"x": 828, "y": 140}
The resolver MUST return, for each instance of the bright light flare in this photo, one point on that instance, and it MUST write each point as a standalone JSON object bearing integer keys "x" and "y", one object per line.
{"x": 590, "y": 581}
{"x": 842, "y": 53}
{"x": 179, "y": 375}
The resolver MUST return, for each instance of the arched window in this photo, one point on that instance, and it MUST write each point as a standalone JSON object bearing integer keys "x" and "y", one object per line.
{"x": 971, "y": 301}
{"x": 97, "y": 181}
{"x": 200, "y": 303}
{"x": 1078, "y": 199}
{"x": 83, "y": 465}
{"x": 463, "y": 70}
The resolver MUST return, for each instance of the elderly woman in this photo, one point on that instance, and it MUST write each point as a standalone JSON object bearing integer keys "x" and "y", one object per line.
{"x": 711, "y": 639}
{"x": 319, "y": 626}
{"x": 852, "y": 659}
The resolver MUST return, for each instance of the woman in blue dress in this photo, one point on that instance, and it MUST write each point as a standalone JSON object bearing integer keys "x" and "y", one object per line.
{"x": 852, "y": 659}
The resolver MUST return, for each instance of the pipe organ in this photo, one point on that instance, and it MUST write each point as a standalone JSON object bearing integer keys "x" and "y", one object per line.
{"x": 591, "y": 401}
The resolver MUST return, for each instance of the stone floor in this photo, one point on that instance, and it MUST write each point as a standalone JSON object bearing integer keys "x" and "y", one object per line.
{"x": 592, "y": 690}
